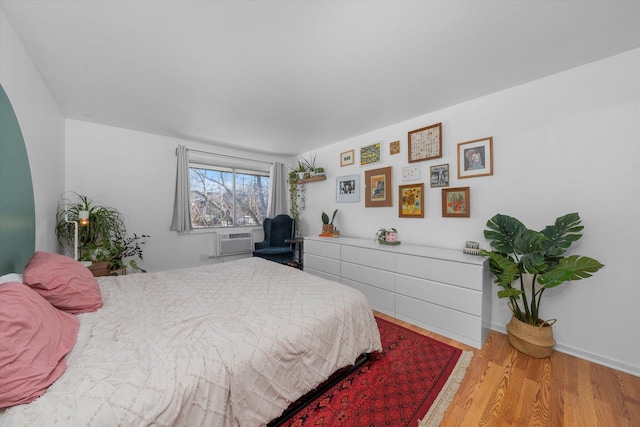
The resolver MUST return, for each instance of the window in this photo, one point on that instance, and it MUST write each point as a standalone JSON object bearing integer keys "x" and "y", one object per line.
{"x": 227, "y": 197}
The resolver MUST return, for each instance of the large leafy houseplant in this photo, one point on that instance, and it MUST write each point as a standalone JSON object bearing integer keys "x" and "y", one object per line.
{"x": 526, "y": 262}
{"x": 103, "y": 239}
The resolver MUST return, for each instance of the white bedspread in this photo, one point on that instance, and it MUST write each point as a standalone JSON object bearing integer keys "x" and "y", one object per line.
{"x": 231, "y": 344}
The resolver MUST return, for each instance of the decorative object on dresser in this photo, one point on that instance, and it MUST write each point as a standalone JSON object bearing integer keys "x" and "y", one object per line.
{"x": 456, "y": 202}
{"x": 425, "y": 143}
{"x": 442, "y": 290}
{"x": 535, "y": 262}
{"x": 387, "y": 236}
{"x": 475, "y": 158}
{"x": 327, "y": 225}
{"x": 471, "y": 248}
{"x": 103, "y": 238}
{"x": 411, "y": 203}
{"x": 378, "y": 188}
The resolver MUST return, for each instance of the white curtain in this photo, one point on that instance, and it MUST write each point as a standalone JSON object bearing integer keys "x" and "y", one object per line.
{"x": 278, "y": 192}
{"x": 181, "y": 216}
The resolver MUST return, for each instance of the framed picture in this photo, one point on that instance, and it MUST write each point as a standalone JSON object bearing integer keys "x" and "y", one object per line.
{"x": 347, "y": 158}
{"x": 411, "y": 204}
{"x": 348, "y": 189}
{"x": 377, "y": 188}
{"x": 455, "y": 202}
{"x": 440, "y": 175}
{"x": 425, "y": 143}
{"x": 475, "y": 158}
{"x": 394, "y": 147}
{"x": 371, "y": 154}
{"x": 410, "y": 173}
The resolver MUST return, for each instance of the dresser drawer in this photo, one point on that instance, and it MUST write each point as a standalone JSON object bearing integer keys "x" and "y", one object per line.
{"x": 371, "y": 276}
{"x": 328, "y": 265}
{"x": 455, "y": 297}
{"x": 322, "y": 274}
{"x": 379, "y": 299}
{"x": 460, "y": 326}
{"x": 454, "y": 273}
{"x": 370, "y": 257}
{"x": 325, "y": 249}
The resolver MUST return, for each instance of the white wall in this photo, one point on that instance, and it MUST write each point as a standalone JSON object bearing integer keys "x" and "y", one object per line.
{"x": 566, "y": 143}
{"x": 135, "y": 172}
{"x": 42, "y": 125}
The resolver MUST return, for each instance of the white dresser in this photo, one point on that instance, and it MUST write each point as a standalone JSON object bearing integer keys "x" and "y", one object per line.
{"x": 442, "y": 290}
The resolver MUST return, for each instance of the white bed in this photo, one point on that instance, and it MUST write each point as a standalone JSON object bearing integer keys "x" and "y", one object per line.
{"x": 231, "y": 344}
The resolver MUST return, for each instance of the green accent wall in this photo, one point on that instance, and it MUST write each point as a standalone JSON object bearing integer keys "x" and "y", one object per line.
{"x": 17, "y": 209}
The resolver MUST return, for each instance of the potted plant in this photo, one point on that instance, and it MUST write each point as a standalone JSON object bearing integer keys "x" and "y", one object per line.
{"x": 526, "y": 263}
{"x": 310, "y": 164}
{"x": 327, "y": 225}
{"x": 302, "y": 170}
{"x": 387, "y": 236}
{"x": 103, "y": 239}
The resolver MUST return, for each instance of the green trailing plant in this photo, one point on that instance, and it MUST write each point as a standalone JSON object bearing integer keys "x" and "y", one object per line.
{"x": 294, "y": 195}
{"x": 381, "y": 234}
{"x": 534, "y": 261}
{"x": 103, "y": 239}
{"x": 325, "y": 217}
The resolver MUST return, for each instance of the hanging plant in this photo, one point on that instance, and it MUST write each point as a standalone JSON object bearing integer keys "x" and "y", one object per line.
{"x": 294, "y": 195}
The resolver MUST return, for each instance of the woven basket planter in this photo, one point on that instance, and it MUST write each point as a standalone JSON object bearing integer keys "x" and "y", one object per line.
{"x": 534, "y": 341}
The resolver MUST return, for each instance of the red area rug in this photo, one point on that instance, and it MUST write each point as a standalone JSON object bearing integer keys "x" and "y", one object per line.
{"x": 412, "y": 377}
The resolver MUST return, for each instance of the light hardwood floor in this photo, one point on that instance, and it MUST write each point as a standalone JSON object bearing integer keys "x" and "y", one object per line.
{"x": 503, "y": 387}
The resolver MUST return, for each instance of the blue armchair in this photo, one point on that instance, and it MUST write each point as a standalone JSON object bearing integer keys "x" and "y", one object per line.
{"x": 274, "y": 247}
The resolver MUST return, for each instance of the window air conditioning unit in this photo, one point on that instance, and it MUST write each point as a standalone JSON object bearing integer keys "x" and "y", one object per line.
{"x": 234, "y": 243}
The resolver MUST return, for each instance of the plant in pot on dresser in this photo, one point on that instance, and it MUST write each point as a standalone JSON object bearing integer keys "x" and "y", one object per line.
{"x": 533, "y": 261}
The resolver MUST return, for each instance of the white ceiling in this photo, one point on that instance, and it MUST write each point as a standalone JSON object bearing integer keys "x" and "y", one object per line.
{"x": 287, "y": 77}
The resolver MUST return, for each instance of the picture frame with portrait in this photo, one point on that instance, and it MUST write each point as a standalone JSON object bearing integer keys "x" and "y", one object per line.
{"x": 475, "y": 158}
{"x": 378, "y": 188}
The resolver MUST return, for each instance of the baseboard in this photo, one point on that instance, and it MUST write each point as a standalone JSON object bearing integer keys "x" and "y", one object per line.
{"x": 582, "y": 354}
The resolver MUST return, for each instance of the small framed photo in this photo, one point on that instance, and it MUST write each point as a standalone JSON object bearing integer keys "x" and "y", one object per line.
{"x": 348, "y": 189}
{"x": 410, "y": 173}
{"x": 425, "y": 143}
{"x": 377, "y": 188}
{"x": 440, "y": 175}
{"x": 456, "y": 202}
{"x": 475, "y": 158}
{"x": 371, "y": 154}
{"x": 411, "y": 203}
{"x": 394, "y": 147}
{"x": 347, "y": 158}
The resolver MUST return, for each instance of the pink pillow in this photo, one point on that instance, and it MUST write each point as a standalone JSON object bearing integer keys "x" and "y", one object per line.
{"x": 35, "y": 339}
{"x": 63, "y": 281}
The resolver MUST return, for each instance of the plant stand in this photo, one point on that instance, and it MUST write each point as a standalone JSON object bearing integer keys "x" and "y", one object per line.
{"x": 534, "y": 341}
